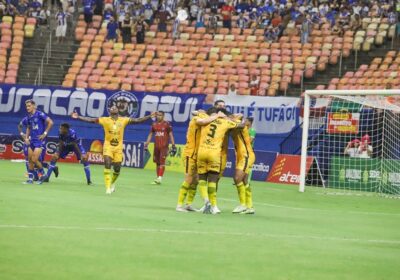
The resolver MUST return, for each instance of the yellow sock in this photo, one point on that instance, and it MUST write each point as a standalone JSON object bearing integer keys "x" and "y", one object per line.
{"x": 182, "y": 192}
{"x": 212, "y": 193}
{"x": 114, "y": 177}
{"x": 249, "y": 197}
{"x": 107, "y": 178}
{"x": 241, "y": 193}
{"x": 203, "y": 190}
{"x": 191, "y": 194}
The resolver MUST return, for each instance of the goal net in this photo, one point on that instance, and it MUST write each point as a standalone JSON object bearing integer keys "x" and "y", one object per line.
{"x": 352, "y": 140}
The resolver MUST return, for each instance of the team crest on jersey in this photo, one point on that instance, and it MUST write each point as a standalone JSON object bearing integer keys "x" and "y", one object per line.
{"x": 126, "y": 102}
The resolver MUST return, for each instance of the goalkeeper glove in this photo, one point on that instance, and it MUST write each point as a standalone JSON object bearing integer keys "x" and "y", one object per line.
{"x": 173, "y": 151}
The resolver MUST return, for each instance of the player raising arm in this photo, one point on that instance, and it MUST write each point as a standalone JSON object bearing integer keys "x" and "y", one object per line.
{"x": 114, "y": 127}
{"x": 39, "y": 125}
{"x": 69, "y": 143}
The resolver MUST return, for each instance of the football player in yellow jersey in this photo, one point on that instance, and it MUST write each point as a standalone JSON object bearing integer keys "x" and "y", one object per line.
{"x": 245, "y": 158}
{"x": 114, "y": 127}
{"x": 189, "y": 185}
{"x": 209, "y": 156}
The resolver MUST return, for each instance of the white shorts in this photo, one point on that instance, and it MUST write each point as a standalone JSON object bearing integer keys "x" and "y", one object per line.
{"x": 61, "y": 31}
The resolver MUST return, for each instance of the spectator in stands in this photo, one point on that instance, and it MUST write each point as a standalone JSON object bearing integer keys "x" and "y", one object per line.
{"x": 112, "y": 30}
{"x": 43, "y": 16}
{"x": 126, "y": 30}
{"x": 98, "y": 6}
{"x": 200, "y": 17}
{"x": 352, "y": 148}
{"x": 175, "y": 28}
{"x": 337, "y": 29}
{"x": 306, "y": 29}
{"x": 355, "y": 22}
{"x": 194, "y": 9}
{"x": 148, "y": 13}
{"x": 232, "y": 90}
{"x": 276, "y": 20}
{"x": 61, "y": 29}
{"x": 270, "y": 35}
{"x": 213, "y": 23}
{"x": 226, "y": 11}
{"x": 140, "y": 28}
{"x": 162, "y": 16}
{"x": 214, "y": 6}
{"x": 242, "y": 22}
{"x": 88, "y": 7}
{"x": 365, "y": 149}
{"x": 254, "y": 85}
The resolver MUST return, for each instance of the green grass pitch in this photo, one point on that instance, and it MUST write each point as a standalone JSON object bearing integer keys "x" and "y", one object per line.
{"x": 68, "y": 230}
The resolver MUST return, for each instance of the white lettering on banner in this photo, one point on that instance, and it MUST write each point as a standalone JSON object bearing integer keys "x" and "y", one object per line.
{"x": 63, "y": 102}
{"x": 131, "y": 155}
{"x": 20, "y": 93}
{"x": 394, "y": 178}
{"x": 42, "y": 98}
{"x": 261, "y": 167}
{"x": 289, "y": 178}
{"x": 17, "y": 146}
{"x": 58, "y": 110}
{"x": 169, "y": 105}
{"x": 78, "y": 99}
{"x": 374, "y": 174}
{"x": 353, "y": 174}
{"x": 98, "y": 111}
{"x": 7, "y": 107}
{"x": 272, "y": 115}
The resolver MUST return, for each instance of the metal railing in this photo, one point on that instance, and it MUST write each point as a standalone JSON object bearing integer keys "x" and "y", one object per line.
{"x": 44, "y": 60}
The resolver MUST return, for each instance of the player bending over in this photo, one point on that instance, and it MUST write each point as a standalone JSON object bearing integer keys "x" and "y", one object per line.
{"x": 245, "y": 158}
{"x": 38, "y": 126}
{"x": 114, "y": 127}
{"x": 69, "y": 143}
{"x": 209, "y": 156}
{"x": 162, "y": 131}
{"x": 24, "y": 124}
{"x": 189, "y": 185}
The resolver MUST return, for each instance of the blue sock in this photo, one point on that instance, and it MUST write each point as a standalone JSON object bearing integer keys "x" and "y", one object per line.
{"x": 27, "y": 165}
{"x": 35, "y": 174}
{"x": 51, "y": 168}
{"x": 31, "y": 174}
{"x": 87, "y": 170}
{"x": 45, "y": 165}
{"x": 41, "y": 171}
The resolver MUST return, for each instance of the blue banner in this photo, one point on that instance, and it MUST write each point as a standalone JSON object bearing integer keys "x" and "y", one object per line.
{"x": 261, "y": 167}
{"x": 59, "y": 102}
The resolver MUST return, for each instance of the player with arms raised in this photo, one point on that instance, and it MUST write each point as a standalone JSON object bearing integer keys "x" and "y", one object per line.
{"x": 38, "y": 126}
{"x": 162, "y": 131}
{"x": 114, "y": 127}
{"x": 69, "y": 143}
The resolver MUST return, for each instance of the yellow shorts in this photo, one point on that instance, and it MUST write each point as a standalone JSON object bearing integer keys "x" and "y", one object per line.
{"x": 190, "y": 165}
{"x": 115, "y": 153}
{"x": 208, "y": 161}
{"x": 245, "y": 163}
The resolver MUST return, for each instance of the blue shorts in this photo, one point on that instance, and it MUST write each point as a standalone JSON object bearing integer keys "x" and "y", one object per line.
{"x": 43, "y": 147}
{"x": 77, "y": 149}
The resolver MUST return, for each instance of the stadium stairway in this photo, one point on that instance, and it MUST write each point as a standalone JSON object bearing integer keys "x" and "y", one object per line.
{"x": 60, "y": 58}
{"x": 323, "y": 78}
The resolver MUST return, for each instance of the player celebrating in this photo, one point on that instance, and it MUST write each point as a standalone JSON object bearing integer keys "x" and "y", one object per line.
{"x": 189, "y": 185}
{"x": 69, "y": 142}
{"x": 38, "y": 126}
{"x": 245, "y": 158}
{"x": 162, "y": 131}
{"x": 209, "y": 155}
{"x": 114, "y": 127}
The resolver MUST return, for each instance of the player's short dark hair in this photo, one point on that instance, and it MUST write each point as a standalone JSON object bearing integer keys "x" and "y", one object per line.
{"x": 162, "y": 112}
{"x": 223, "y": 110}
{"x": 211, "y": 111}
{"x": 250, "y": 119}
{"x": 30, "y": 101}
{"x": 218, "y": 101}
{"x": 65, "y": 125}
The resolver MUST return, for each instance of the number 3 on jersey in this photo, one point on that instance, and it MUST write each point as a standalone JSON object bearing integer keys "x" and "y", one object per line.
{"x": 213, "y": 128}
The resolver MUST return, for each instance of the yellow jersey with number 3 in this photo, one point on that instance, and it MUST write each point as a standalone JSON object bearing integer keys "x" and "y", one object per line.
{"x": 114, "y": 130}
{"x": 193, "y": 136}
{"x": 212, "y": 135}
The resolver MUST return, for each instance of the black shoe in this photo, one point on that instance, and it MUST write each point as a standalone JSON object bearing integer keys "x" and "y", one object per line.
{"x": 46, "y": 179}
{"x": 89, "y": 183}
{"x": 56, "y": 171}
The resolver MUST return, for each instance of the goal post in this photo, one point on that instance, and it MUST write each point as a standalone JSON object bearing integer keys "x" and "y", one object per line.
{"x": 354, "y": 139}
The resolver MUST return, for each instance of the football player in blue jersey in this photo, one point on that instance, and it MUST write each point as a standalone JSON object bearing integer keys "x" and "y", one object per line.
{"x": 38, "y": 126}
{"x": 23, "y": 124}
{"x": 69, "y": 142}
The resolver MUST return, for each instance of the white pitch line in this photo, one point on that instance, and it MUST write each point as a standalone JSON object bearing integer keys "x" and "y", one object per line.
{"x": 192, "y": 232}
{"x": 314, "y": 209}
